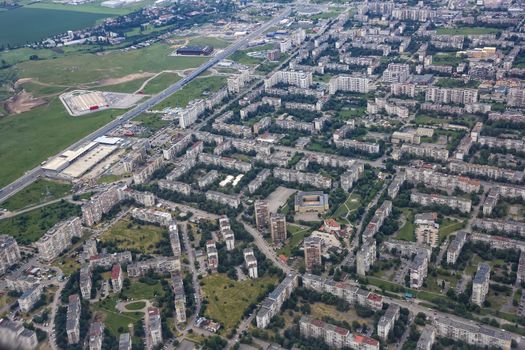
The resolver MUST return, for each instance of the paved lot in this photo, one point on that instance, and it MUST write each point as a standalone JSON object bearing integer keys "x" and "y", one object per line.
{"x": 279, "y": 197}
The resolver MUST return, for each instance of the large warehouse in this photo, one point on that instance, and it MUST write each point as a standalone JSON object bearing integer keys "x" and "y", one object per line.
{"x": 195, "y": 50}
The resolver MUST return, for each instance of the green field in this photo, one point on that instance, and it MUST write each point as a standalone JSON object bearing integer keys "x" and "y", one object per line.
{"x": 25, "y": 25}
{"x": 444, "y": 59}
{"x": 195, "y": 89}
{"x": 449, "y": 226}
{"x": 139, "y": 291}
{"x": 31, "y": 137}
{"x": 73, "y": 70}
{"x": 295, "y": 236}
{"x": 161, "y": 82}
{"x": 127, "y": 87}
{"x": 227, "y": 298}
{"x": 151, "y": 121}
{"x": 468, "y": 31}
{"x": 407, "y": 232}
{"x": 114, "y": 320}
{"x": 352, "y": 202}
{"x": 40, "y": 191}
{"x": 127, "y": 234}
{"x": 29, "y": 227}
{"x": 217, "y": 43}
{"x": 139, "y": 305}
{"x": 92, "y": 7}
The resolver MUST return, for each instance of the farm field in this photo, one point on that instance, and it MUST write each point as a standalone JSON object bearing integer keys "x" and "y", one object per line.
{"x": 127, "y": 234}
{"x": 31, "y": 137}
{"x": 45, "y": 23}
{"x": 38, "y": 192}
{"x": 29, "y": 227}
{"x": 227, "y": 298}
{"x": 193, "y": 90}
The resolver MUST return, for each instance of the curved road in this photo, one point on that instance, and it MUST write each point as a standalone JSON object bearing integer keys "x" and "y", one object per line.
{"x": 35, "y": 173}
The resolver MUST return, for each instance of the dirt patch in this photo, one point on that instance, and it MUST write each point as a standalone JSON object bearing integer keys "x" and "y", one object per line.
{"x": 22, "y": 102}
{"x": 124, "y": 79}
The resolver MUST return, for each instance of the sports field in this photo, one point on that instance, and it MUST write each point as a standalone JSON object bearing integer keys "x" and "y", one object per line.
{"x": 24, "y": 24}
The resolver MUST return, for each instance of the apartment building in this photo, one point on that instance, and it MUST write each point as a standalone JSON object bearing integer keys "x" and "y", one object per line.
{"x": 386, "y": 322}
{"x": 124, "y": 342}
{"x": 516, "y": 97}
{"x": 179, "y": 297}
{"x": 225, "y": 162}
{"x": 403, "y": 89}
{"x": 349, "y": 83}
{"x": 73, "y": 319}
{"x": 145, "y": 173}
{"x": 212, "y": 254}
{"x": 486, "y": 171}
{"x": 442, "y": 181}
{"x": 278, "y": 228}
{"x": 480, "y": 284}
{"x": 366, "y": 256}
{"x": 117, "y": 278}
{"x": 405, "y": 137}
{"x": 262, "y": 214}
{"x": 153, "y": 216}
{"x": 382, "y": 105}
{"x": 350, "y": 177}
{"x": 396, "y": 73}
{"x": 493, "y": 142}
{"x": 159, "y": 264}
{"x": 250, "y": 262}
{"x": 85, "y": 282}
{"x": 236, "y": 82}
{"x": 15, "y": 336}
{"x": 233, "y": 201}
{"x": 272, "y": 304}
{"x": 107, "y": 260}
{"x": 395, "y": 185}
{"x": 99, "y": 204}
{"x": 290, "y": 175}
{"x": 29, "y": 298}
{"x": 289, "y": 123}
{"x": 9, "y": 253}
{"x": 184, "y": 165}
{"x": 261, "y": 177}
{"x": 446, "y": 96}
{"x": 95, "y": 336}
{"x": 312, "y": 252}
{"x": 494, "y": 225}
{"x": 427, "y": 229}
{"x": 296, "y": 78}
{"x": 520, "y": 274}
{"x": 177, "y": 146}
{"x": 377, "y": 220}
{"x": 353, "y": 295}
{"x": 175, "y": 186}
{"x": 454, "y": 248}
{"x": 358, "y": 145}
{"x": 427, "y": 338}
{"x": 58, "y": 238}
{"x": 463, "y": 205}
{"x": 472, "y": 333}
{"x": 429, "y": 150}
{"x": 153, "y": 328}
{"x": 418, "y": 270}
{"x": 334, "y": 336}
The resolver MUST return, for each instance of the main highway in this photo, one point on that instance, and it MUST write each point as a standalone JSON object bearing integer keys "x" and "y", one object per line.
{"x": 33, "y": 174}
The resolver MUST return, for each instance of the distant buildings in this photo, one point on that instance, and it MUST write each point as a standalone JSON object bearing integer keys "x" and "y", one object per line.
{"x": 259, "y": 180}
{"x": 152, "y": 216}
{"x": 312, "y": 253}
{"x": 486, "y": 171}
{"x": 439, "y": 180}
{"x": 444, "y": 95}
{"x": 334, "y": 336}
{"x": 272, "y": 304}
{"x": 480, "y": 284}
{"x": 295, "y": 78}
{"x": 428, "y": 150}
{"x": 278, "y": 228}
{"x": 349, "y": 83}
{"x": 9, "y": 253}
{"x": 233, "y": 201}
{"x": 250, "y": 262}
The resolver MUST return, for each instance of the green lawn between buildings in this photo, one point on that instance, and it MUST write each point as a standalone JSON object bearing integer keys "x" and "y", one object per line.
{"x": 127, "y": 234}
{"x": 228, "y": 299}
{"x": 38, "y": 192}
{"x": 296, "y": 234}
{"x": 117, "y": 322}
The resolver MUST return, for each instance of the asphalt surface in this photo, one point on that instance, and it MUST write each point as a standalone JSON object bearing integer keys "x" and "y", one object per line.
{"x": 37, "y": 172}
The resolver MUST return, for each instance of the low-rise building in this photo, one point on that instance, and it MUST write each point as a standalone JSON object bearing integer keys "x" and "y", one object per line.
{"x": 427, "y": 338}
{"x": 306, "y": 202}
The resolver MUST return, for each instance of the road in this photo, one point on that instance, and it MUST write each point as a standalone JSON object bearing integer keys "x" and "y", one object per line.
{"x": 37, "y": 172}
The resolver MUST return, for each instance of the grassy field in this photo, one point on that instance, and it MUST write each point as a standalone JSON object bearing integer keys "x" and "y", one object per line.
{"x": 351, "y": 203}
{"x": 31, "y": 137}
{"x": 217, "y": 43}
{"x": 449, "y": 226}
{"x": 139, "y": 291}
{"x": 295, "y": 235}
{"x": 127, "y": 87}
{"x": 320, "y": 310}
{"x": 92, "y": 7}
{"x": 129, "y": 235}
{"x": 161, "y": 82}
{"x": 38, "y": 192}
{"x": 242, "y": 58}
{"x": 44, "y": 23}
{"x": 139, "y": 305}
{"x": 442, "y": 59}
{"x": 29, "y": 227}
{"x": 80, "y": 69}
{"x": 196, "y": 89}
{"x": 227, "y": 298}
{"x": 151, "y": 121}
{"x": 106, "y": 179}
{"x": 407, "y": 232}
{"x": 113, "y": 320}
{"x": 468, "y": 31}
